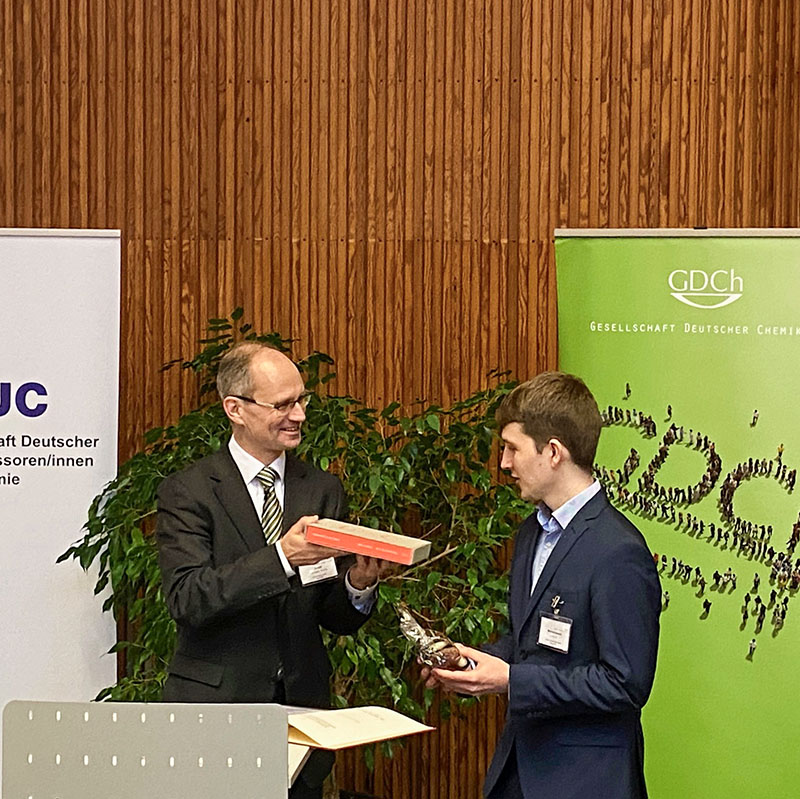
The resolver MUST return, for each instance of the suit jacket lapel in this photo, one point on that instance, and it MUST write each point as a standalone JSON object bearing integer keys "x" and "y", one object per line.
{"x": 230, "y": 490}
{"x": 525, "y": 546}
{"x": 295, "y": 484}
{"x": 575, "y": 529}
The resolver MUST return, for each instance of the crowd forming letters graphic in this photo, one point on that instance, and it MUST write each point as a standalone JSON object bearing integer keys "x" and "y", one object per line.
{"x": 745, "y": 541}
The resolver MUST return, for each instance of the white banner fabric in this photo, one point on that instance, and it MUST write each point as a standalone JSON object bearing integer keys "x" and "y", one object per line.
{"x": 59, "y": 367}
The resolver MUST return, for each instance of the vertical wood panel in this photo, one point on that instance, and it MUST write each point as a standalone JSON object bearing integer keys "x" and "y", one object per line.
{"x": 381, "y": 180}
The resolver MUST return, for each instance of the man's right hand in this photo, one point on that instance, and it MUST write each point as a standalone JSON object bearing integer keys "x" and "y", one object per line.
{"x": 300, "y": 552}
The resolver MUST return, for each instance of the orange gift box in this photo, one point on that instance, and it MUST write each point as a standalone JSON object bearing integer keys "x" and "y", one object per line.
{"x": 366, "y": 541}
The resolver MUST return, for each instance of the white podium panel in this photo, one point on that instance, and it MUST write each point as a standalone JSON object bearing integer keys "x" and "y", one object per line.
{"x": 127, "y": 750}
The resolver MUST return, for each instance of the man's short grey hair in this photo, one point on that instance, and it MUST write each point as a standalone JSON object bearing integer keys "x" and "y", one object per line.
{"x": 233, "y": 375}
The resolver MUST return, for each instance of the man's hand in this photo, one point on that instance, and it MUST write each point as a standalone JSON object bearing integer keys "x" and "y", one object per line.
{"x": 368, "y": 571}
{"x": 300, "y": 552}
{"x": 490, "y": 675}
{"x": 428, "y": 677}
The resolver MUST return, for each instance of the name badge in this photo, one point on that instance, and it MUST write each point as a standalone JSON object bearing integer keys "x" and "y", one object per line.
{"x": 554, "y": 632}
{"x": 324, "y": 569}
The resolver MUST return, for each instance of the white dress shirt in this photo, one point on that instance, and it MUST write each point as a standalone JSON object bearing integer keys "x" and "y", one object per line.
{"x": 249, "y": 467}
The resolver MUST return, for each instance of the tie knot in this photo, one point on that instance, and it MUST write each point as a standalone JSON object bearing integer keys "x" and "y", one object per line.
{"x": 267, "y": 477}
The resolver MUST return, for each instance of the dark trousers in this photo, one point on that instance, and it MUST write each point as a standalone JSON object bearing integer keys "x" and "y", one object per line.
{"x": 301, "y": 791}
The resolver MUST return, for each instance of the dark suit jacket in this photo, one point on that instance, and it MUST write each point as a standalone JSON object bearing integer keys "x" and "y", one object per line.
{"x": 574, "y": 718}
{"x": 239, "y": 618}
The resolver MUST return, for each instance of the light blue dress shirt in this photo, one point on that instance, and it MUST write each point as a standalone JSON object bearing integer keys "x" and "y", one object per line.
{"x": 554, "y": 523}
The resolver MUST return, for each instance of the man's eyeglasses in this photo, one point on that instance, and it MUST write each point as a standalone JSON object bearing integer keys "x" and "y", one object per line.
{"x": 281, "y": 407}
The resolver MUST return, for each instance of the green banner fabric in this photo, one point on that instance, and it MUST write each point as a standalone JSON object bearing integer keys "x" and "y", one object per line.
{"x": 691, "y": 344}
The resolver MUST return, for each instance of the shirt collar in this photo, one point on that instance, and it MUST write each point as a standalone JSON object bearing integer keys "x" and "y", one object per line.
{"x": 567, "y": 512}
{"x": 250, "y": 466}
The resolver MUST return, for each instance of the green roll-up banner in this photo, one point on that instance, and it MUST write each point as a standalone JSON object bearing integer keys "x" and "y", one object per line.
{"x": 690, "y": 340}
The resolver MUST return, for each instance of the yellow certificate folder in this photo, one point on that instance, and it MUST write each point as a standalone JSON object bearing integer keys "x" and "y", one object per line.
{"x": 351, "y": 726}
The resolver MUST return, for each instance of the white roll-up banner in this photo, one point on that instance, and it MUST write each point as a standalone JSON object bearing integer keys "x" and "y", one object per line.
{"x": 59, "y": 366}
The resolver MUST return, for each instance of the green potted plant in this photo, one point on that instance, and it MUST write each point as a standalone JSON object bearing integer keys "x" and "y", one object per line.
{"x": 426, "y": 472}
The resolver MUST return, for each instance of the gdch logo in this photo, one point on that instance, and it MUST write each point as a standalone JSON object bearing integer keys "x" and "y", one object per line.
{"x": 700, "y": 289}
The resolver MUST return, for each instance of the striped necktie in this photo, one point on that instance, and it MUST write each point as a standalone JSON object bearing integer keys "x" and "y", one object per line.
{"x": 271, "y": 514}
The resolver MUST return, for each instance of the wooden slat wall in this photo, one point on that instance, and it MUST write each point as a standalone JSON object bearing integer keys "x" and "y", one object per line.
{"x": 380, "y": 179}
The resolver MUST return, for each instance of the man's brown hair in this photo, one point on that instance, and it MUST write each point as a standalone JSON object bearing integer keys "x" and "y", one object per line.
{"x": 556, "y": 405}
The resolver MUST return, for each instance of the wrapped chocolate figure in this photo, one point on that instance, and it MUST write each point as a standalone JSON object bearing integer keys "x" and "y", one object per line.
{"x": 433, "y": 649}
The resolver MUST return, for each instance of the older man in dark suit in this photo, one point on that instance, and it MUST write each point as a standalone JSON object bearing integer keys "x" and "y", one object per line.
{"x": 247, "y": 591}
{"x": 584, "y": 603}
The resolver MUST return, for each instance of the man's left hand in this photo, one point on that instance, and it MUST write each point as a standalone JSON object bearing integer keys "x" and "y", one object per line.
{"x": 490, "y": 675}
{"x": 367, "y": 571}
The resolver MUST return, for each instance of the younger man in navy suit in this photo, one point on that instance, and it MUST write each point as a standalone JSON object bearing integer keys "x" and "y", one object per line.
{"x": 584, "y": 603}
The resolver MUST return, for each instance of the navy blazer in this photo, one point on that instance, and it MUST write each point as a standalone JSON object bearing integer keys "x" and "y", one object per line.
{"x": 574, "y": 718}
